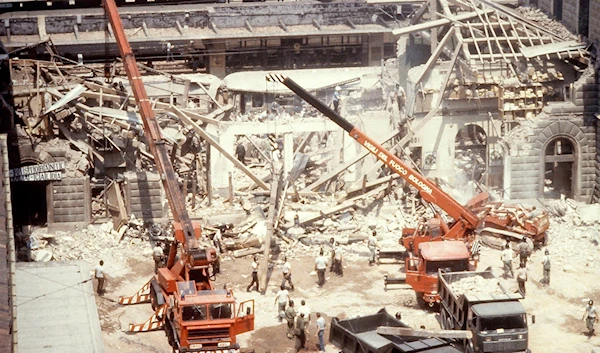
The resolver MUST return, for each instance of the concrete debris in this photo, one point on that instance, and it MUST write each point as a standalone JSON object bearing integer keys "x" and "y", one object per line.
{"x": 477, "y": 286}
{"x": 539, "y": 17}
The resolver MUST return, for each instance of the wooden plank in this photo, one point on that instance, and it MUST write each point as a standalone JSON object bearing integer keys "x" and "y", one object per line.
{"x": 433, "y": 24}
{"x": 348, "y": 204}
{"x": 434, "y": 56}
{"x": 323, "y": 179}
{"x": 551, "y": 48}
{"x": 405, "y": 331}
{"x": 368, "y": 185}
{"x": 440, "y": 97}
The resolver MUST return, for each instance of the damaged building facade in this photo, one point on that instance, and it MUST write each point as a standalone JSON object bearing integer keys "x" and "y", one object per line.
{"x": 513, "y": 105}
{"x": 73, "y": 104}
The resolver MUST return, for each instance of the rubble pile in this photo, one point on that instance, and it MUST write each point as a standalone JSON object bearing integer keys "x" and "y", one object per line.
{"x": 573, "y": 237}
{"x": 538, "y": 16}
{"x": 476, "y": 285}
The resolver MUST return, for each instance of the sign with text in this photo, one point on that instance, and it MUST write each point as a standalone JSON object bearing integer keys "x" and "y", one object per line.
{"x": 38, "y": 172}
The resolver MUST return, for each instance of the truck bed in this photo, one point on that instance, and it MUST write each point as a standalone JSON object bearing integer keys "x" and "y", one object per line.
{"x": 476, "y": 287}
{"x": 359, "y": 335}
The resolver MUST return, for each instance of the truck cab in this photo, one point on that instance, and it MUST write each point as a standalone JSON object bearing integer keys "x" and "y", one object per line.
{"x": 498, "y": 327}
{"x": 206, "y": 320}
{"x": 422, "y": 270}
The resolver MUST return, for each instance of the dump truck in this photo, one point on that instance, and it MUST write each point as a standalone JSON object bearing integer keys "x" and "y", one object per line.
{"x": 196, "y": 317}
{"x": 359, "y": 335}
{"x": 477, "y": 302}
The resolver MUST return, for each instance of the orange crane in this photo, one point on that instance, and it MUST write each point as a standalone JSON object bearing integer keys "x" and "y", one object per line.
{"x": 425, "y": 250}
{"x": 196, "y": 317}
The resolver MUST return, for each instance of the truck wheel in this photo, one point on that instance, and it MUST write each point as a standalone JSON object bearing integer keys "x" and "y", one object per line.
{"x": 443, "y": 317}
{"x": 420, "y": 301}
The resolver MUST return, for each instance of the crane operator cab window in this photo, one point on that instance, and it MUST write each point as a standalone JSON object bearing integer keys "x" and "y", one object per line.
{"x": 193, "y": 312}
{"x": 221, "y": 311}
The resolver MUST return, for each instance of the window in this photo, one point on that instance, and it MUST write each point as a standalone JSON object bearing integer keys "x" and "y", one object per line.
{"x": 193, "y": 312}
{"x": 221, "y": 311}
{"x": 448, "y": 266}
{"x": 504, "y": 322}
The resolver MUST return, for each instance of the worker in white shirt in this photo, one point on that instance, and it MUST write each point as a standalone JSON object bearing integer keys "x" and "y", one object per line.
{"x": 99, "y": 274}
{"x": 286, "y": 269}
{"x": 254, "y": 275}
{"x": 282, "y": 298}
{"x": 320, "y": 331}
{"x": 157, "y": 255}
{"x": 373, "y": 245}
{"x": 304, "y": 309}
{"x": 522, "y": 278}
{"x": 320, "y": 267}
{"x": 507, "y": 256}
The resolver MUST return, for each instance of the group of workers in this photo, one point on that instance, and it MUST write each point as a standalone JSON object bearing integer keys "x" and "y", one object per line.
{"x": 524, "y": 251}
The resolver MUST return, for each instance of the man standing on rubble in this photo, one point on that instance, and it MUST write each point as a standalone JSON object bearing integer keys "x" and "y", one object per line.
{"x": 373, "y": 245}
{"x": 337, "y": 96}
{"x": 254, "y": 275}
{"x": 320, "y": 267}
{"x": 524, "y": 251}
{"x": 507, "y": 255}
{"x": 240, "y": 153}
{"x": 286, "y": 269}
{"x": 169, "y": 51}
{"x": 546, "y": 264}
{"x": 522, "y": 278}
{"x": 590, "y": 316}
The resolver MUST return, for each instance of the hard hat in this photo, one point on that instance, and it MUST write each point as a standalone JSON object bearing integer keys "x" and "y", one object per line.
{"x": 338, "y": 88}
{"x": 547, "y": 252}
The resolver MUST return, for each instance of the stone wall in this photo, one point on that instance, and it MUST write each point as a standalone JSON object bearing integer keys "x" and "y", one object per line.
{"x": 570, "y": 15}
{"x": 573, "y": 120}
{"x": 144, "y": 196}
{"x": 594, "y": 32}
{"x": 69, "y": 201}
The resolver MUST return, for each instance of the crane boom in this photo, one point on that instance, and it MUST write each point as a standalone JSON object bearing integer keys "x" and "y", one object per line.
{"x": 152, "y": 130}
{"x": 428, "y": 190}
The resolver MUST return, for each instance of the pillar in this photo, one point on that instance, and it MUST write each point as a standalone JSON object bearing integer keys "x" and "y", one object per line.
{"x": 375, "y": 49}
{"x": 216, "y": 61}
{"x": 219, "y": 165}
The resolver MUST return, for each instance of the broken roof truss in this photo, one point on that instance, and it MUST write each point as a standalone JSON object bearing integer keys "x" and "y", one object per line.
{"x": 489, "y": 33}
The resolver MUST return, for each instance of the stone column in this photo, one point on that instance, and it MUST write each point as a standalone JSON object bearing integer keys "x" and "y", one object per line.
{"x": 216, "y": 61}
{"x": 220, "y": 167}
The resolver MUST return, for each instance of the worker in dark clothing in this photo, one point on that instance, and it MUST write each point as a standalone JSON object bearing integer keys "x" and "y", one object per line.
{"x": 522, "y": 278}
{"x": 590, "y": 316}
{"x": 254, "y": 275}
{"x": 524, "y": 251}
{"x": 240, "y": 153}
{"x": 99, "y": 274}
{"x": 300, "y": 333}
{"x": 290, "y": 315}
